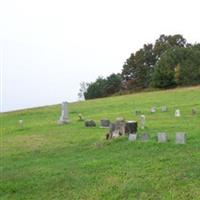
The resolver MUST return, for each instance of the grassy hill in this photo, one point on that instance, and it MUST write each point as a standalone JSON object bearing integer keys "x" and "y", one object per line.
{"x": 48, "y": 161}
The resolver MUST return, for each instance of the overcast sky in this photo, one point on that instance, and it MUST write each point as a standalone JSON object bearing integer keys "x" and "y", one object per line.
{"x": 47, "y": 47}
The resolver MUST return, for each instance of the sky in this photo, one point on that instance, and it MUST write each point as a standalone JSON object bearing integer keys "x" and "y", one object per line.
{"x": 48, "y": 47}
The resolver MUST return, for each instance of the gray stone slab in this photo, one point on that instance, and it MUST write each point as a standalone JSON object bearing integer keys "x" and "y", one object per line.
{"x": 180, "y": 138}
{"x": 132, "y": 137}
{"x": 145, "y": 137}
{"x": 90, "y": 123}
{"x": 162, "y": 137}
{"x": 105, "y": 123}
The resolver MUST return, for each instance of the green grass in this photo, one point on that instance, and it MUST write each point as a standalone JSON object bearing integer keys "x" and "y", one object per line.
{"x": 48, "y": 161}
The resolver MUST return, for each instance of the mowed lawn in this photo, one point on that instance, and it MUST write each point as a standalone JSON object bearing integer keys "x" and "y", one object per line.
{"x": 47, "y": 161}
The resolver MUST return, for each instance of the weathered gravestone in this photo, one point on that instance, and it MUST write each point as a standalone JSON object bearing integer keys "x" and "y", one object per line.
{"x": 162, "y": 137}
{"x": 180, "y": 138}
{"x": 64, "y": 118}
{"x": 131, "y": 127}
{"x": 105, "y": 123}
{"x": 120, "y": 125}
{"x": 177, "y": 113}
{"x": 194, "y": 111}
{"x": 143, "y": 120}
{"x": 112, "y": 132}
{"x": 90, "y": 123}
{"x": 145, "y": 137}
{"x": 132, "y": 137}
{"x": 153, "y": 109}
{"x": 164, "y": 109}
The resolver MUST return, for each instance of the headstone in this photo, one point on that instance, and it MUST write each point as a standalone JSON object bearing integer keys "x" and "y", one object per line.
{"x": 105, "y": 123}
{"x": 145, "y": 137}
{"x": 132, "y": 137}
{"x": 111, "y": 131}
{"x": 162, "y": 137}
{"x": 64, "y": 118}
{"x": 194, "y": 111}
{"x": 180, "y": 138}
{"x": 90, "y": 123}
{"x": 120, "y": 125}
{"x": 153, "y": 109}
{"x": 131, "y": 127}
{"x": 142, "y": 117}
{"x": 21, "y": 123}
{"x": 177, "y": 113}
{"x": 164, "y": 109}
{"x": 81, "y": 118}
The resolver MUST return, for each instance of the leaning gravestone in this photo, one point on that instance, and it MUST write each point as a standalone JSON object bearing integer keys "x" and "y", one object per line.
{"x": 64, "y": 118}
{"x": 132, "y": 137}
{"x": 153, "y": 109}
{"x": 162, "y": 137}
{"x": 145, "y": 137}
{"x": 142, "y": 117}
{"x": 164, "y": 109}
{"x": 90, "y": 123}
{"x": 105, "y": 123}
{"x": 131, "y": 127}
{"x": 180, "y": 138}
{"x": 177, "y": 113}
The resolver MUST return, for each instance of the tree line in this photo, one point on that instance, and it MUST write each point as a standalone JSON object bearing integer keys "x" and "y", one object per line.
{"x": 171, "y": 61}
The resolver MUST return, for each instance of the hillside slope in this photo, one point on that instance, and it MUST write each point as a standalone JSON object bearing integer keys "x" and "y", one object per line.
{"x": 46, "y": 161}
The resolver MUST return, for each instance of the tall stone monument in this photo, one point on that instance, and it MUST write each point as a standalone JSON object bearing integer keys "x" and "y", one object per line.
{"x": 64, "y": 118}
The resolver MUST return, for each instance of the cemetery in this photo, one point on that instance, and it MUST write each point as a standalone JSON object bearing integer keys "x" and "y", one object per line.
{"x": 138, "y": 146}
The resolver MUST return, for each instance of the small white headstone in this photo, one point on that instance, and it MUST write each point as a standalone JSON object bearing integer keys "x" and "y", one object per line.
{"x": 64, "y": 118}
{"x": 177, "y": 113}
{"x": 180, "y": 138}
{"x": 162, "y": 137}
{"x": 153, "y": 109}
{"x": 142, "y": 121}
{"x": 132, "y": 137}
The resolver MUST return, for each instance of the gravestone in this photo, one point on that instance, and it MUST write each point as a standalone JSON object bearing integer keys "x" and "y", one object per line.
{"x": 64, "y": 118}
{"x": 145, "y": 137}
{"x": 162, "y": 137}
{"x": 111, "y": 131}
{"x": 194, "y": 111}
{"x": 120, "y": 125}
{"x": 90, "y": 123}
{"x": 180, "y": 138}
{"x": 164, "y": 109}
{"x": 142, "y": 117}
{"x": 132, "y": 137}
{"x": 81, "y": 118}
{"x": 21, "y": 124}
{"x": 177, "y": 113}
{"x": 105, "y": 123}
{"x": 153, "y": 109}
{"x": 131, "y": 127}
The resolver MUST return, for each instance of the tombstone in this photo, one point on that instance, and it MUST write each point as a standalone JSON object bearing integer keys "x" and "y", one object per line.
{"x": 111, "y": 131}
{"x": 105, "y": 123}
{"x": 142, "y": 117}
{"x": 120, "y": 125}
{"x": 21, "y": 124}
{"x": 64, "y": 118}
{"x": 162, "y": 137}
{"x": 145, "y": 137}
{"x": 164, "y": 109}
{"x": 153, "y": 109}
{"x": 177, "y": 113}
{"x": 90, "y": 123}
{"x": 180, "y": 138}
{"x": 194, "y": 111}
{"x": 132, "y": 137}
{"x": 81, "y": 118}
{"x": 131, "y": 127}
